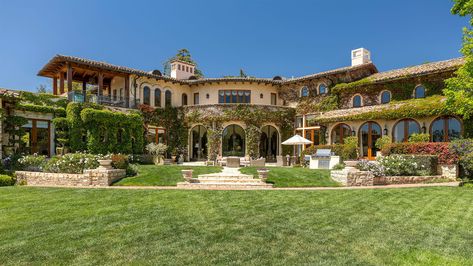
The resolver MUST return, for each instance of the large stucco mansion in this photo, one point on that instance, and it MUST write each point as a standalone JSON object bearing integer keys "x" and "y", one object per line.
{"x": 356, "y": 100}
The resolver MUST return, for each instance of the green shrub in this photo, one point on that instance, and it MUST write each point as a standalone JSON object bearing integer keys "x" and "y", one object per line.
{"x": 350, "y": 148}
{"x": 464, "y": 149}
{"x": 6, "y": 180}
{"x": 383, "y": 142}
{"x": 72, "y": 163}
{"x": 33, "y": 162}
{"x": 119, "y": 161}
{"x": 428, "y": 163}
{"x": 421, "y": 137}
{"x": 339, "y": 166}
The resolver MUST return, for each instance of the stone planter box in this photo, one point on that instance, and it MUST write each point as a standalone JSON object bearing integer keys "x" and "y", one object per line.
{"x": 94, "y": 177}
{"x": 263, "y": 174}
{"x": 187, "y": 175}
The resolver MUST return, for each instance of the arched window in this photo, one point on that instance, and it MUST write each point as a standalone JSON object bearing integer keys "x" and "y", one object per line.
{"x": 404, "y": 129}
{"x": 419, "y": 92}
{"x": 340, "y": 132}
{"x": 322, "y": 89}
{"x": 167, "y": 98}
{"x": 357, "y": 101}
{"x": 157, "y": 97}
{"x": 184, "y": 99}
{"x": 146, "y": 95}
{"x": 233, "y": 141}
{"x": 304, "y": 91}
{"x": 445, "y": 129}
{"x": 385, "y": 97}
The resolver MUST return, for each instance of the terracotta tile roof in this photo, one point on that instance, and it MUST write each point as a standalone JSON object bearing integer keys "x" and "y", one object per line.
{"x": 9, "y": 93}
{"x": 419, "y": 70}
{"x": 333, "y": 71}
{"x": 59, "y": 60}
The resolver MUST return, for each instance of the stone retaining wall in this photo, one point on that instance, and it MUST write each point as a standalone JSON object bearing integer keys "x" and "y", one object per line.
{"x": 351, "y": 176}
{"x": 93, "y": 177}
{"x": 390, "y": 180}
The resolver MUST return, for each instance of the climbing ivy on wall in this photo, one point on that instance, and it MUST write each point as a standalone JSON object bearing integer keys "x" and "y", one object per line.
{"x": 101, "y": 131}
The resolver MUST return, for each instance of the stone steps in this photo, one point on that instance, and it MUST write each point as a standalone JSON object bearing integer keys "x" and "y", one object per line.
{"x": 226, "y": 176}
{"x": 219, "y": 185}
{"x": 227, "y": 180}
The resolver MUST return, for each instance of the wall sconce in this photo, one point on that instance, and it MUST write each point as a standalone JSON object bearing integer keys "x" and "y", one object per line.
{"x": 385, "y": 130}
{"x": 261, "y": 95}
{"x": 424, "y": 129}
{"x": 353, "y": 133}
{"x": 207, "y": 96}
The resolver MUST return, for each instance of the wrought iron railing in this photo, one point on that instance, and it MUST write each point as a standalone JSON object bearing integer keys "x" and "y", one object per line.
{"x": 116, "y": 101}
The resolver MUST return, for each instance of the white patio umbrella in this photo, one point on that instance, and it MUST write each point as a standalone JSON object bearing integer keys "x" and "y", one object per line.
{"x": 296, "y": 140}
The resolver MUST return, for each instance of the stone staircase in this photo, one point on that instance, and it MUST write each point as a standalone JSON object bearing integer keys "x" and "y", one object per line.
{"x": 229, "y": 178}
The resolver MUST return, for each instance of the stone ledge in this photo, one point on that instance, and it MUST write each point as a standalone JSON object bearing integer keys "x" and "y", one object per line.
{"x": 394, "y": 180}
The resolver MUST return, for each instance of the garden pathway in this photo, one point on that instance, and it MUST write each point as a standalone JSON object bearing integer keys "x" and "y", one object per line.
{"x": 446, "y": 184}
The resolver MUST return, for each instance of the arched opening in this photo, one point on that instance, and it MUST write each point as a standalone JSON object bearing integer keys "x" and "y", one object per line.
{"x": 157, "y": 97}
{"x": 385, "y": 97}
{"x": 340, "y": 132}
{"x": 199, "y": 143}
{"x": 304, "y": 91}
{"x": 357, "y": 101}
{"x": 445, "y": 129}
{"x": 369, "y": 133}
{"x": 269, "y": 143}
{"x": 404, "y": 129}
{"x": 233, "y": 141}
{"x": 184, "y": 99}
{"x": 146, "y": 95}
{"x": 167, "y": 98}
{"x": 419, "y": 92}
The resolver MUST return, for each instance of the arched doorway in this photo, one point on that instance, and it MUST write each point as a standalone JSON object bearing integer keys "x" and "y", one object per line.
{"x": 233, "y": 141}
{"x": 369, "y": 133}
{"x": 269, "y": 143}
{"x": 199, "y": 143}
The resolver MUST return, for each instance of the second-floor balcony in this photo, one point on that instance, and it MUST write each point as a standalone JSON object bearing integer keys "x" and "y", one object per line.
{"x": 115, "y": 101}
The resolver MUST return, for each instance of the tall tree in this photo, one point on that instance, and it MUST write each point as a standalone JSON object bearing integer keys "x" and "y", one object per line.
{"x": 183, "y": 55}
{"x": 459, "y": 89}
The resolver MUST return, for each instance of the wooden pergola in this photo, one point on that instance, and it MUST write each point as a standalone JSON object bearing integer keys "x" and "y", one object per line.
{"x": 67, "y": 70}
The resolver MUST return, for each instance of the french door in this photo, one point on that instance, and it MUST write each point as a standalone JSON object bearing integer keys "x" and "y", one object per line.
{"x": 369, "y": 133}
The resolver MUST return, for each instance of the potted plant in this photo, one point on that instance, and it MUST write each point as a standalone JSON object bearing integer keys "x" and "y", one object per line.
{"x": 157, "y": 151}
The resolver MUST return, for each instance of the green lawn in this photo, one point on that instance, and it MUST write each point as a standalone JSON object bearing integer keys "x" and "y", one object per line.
{"x": 360, "y": 227}
{"x": 163, "y": 175}
{"x": 295, "y": 177}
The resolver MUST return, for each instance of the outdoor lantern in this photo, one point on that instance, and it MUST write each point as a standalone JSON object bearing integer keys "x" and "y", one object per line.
{"x": 326, "y": 134}
{"x": 424, "y": 129}
{"x": 385, "y": 130}
{"x": 353, "y": 131}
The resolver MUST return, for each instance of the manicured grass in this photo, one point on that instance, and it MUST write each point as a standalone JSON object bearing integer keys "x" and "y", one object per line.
{"x": 428, "y": 226}
{"x": 163, "y": 175}
{"x": 295, "y": 177}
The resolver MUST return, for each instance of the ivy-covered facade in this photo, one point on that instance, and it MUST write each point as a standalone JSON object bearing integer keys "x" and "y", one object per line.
{"x": 103, "y": 108}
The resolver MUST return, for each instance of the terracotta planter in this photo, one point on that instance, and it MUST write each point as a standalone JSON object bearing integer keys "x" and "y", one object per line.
{"x": 263, "y": 174}
{"x": 105, "y": 164}
{"x": 187, "y": 175}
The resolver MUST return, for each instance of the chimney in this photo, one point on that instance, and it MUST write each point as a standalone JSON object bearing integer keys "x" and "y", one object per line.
{"x": 181, "y": 69}
{"x": 360, "y": 56}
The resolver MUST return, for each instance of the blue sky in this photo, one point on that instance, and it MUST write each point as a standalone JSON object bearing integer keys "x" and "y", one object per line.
{"x": 265, "y": 38}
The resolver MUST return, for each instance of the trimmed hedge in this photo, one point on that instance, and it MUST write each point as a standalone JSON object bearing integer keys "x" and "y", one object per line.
{"x": 445, "y": 154}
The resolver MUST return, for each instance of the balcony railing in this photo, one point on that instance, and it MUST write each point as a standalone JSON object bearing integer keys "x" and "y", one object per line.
{"x": 116, "y": 101}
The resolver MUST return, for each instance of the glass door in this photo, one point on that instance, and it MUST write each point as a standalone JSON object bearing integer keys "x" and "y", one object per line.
{"x": 369, "y": 133}
{"x": 37, "y": 137}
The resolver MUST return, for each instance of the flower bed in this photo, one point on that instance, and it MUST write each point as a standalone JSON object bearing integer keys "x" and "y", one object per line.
{"x": 446, "y": 155}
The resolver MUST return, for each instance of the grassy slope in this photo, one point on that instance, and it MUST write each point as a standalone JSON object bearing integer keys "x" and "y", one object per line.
{"x": 164, "y": 175}
{"x": 364, "y": 227}
{"x": 295, "y": 177}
